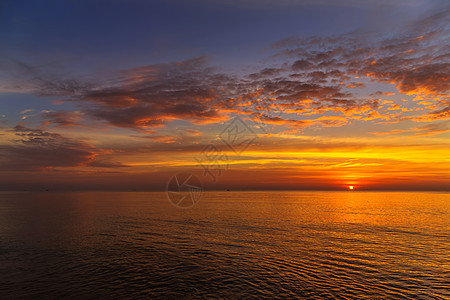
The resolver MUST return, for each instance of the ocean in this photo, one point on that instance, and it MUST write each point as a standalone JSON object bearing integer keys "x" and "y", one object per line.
{"x": 230, "y": 245}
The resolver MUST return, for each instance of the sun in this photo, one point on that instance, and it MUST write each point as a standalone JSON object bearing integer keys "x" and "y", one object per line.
{"x": 350, "y": 187}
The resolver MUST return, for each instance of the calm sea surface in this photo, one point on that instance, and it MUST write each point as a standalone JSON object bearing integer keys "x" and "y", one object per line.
{"x": 231, "y": 245}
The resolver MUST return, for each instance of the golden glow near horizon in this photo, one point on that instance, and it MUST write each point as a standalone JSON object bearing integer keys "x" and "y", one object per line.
{"x": 273, "y": 160}
{"x": 350, "y": 187}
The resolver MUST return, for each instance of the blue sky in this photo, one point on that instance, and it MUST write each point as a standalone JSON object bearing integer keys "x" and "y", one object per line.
{"x": 111, "y": 34}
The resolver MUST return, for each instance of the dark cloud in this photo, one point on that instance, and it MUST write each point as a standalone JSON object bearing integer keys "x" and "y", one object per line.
{"x": 35, "y": 149}
{"x": 267, "y": 72}
{"x": 149, "y": 96}
{"x": 302, "y": 65}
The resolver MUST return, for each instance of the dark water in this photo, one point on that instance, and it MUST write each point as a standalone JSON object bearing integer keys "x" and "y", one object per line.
{"x": 230, "y": 245}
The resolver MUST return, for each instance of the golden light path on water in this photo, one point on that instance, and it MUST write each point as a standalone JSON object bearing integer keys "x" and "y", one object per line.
{"x": 229, "y": 245}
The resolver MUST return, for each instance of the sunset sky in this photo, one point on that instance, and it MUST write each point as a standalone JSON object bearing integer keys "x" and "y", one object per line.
{"x": 287, "y": 94}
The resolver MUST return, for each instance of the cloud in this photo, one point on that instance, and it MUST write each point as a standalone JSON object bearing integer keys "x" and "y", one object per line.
{"x": 422, "y": 130}
{"x": 318, "y": 76}
{"x": 61, "y": 118}
{"x": 432, "y": 129}
{"x": 146, "y": 97}
{"x": 415, "y": 61}
{"x": 35, "y": 149}
{"x": 25, "y": 111}
{"x": 267, "y": 72}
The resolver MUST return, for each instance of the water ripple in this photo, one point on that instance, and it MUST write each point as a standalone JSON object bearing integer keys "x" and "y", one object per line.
{"x": 283, "y": 245}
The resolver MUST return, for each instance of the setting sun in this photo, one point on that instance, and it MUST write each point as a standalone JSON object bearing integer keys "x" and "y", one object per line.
{"x": 350, "y": 187}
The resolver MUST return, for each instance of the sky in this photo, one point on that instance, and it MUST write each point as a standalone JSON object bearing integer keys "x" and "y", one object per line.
{"x": 287, "y": 94}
